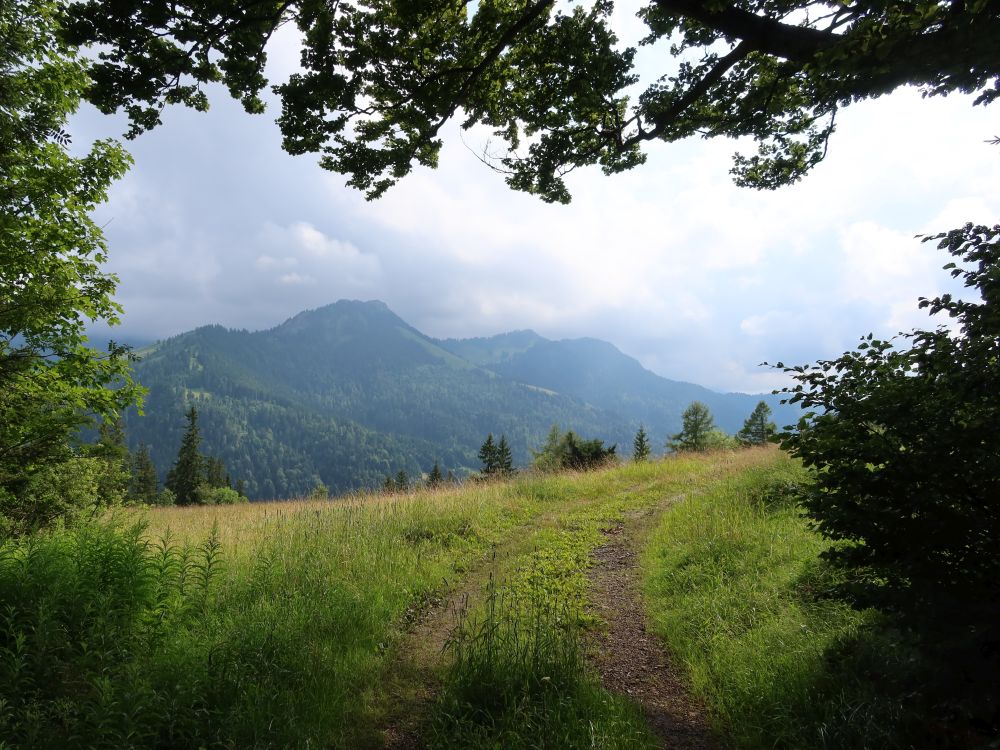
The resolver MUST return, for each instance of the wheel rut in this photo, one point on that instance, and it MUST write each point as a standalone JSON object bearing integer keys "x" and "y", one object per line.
{"x": 630, "y": 659}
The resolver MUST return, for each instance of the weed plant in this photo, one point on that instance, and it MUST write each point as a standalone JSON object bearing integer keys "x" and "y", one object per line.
{"x": 734, "y": 587}
{"x": 519, "y": 680}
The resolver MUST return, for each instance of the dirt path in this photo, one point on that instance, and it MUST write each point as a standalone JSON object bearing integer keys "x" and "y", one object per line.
{"x": 414, "y": 676}
{"x": 630, "y": 659}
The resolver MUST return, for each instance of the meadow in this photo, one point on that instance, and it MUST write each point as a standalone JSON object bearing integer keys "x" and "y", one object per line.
{"x": 291, "y": 624}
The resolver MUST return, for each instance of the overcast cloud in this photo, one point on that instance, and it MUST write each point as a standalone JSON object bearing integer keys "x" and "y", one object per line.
{"x": 698, "y": 279}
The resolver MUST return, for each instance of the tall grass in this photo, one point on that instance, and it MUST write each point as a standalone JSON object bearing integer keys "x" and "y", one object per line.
{"x": 273, "y": 626}
{"x": 735, "y": 588}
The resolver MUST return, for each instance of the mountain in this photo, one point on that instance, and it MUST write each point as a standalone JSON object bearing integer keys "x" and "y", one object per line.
{"x": 350, "y": 392}
{"x": 599, "y": 374}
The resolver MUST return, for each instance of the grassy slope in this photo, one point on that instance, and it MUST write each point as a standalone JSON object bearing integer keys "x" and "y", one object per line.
{"x": 734, "y": 587}
{"x": 274, "y": 625}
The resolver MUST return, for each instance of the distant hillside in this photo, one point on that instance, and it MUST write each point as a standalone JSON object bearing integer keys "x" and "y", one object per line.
{"x": 350, "y": 392}
{"x": 599, "y": 374}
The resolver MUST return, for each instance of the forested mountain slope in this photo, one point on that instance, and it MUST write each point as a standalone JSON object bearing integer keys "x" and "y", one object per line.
{"x": 348, "y": 393}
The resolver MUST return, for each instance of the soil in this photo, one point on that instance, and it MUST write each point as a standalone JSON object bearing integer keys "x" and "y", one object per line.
{"x": 631, "y": 660}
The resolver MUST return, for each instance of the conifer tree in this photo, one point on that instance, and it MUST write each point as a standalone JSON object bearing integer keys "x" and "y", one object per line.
{"x": 111, "y": 450}
{"x": 696, "y": 431}
{"x": 488, "y": 455}
{"x": 451, "y": 479}
{"x": 187, "y": 472}
{"x": 504, "y": 459}
{"x": 435, "y": 478}
{"x": 215, "y": 473}
{"x": 758, "y": 428}
{"x": 640, "y": 445}
{"x": 144, "y": 483}
{"x": 402, "y": 481}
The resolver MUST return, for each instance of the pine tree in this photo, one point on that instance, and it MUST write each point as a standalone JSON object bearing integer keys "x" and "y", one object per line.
{"x": 488, "y": 455}
{"x": 505, "y": 461}
{"x": 111, "y": 450}
{"x": 241, "y": 488}
{"x": 215, "y": 473}
{"x": 187, "y": 472}
{"x": 402, "y": 481}
{"x": 144, "y": 483}
{"x": 435, "y": 478}
{"x": 640, "y": 446}
{"x": 758, "y": 428}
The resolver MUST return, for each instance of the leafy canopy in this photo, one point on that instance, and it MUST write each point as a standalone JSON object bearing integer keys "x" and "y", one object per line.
{"x": 380, "y": 78}
{"x": 904, "y": 447}
{"x": 51, "y": 282}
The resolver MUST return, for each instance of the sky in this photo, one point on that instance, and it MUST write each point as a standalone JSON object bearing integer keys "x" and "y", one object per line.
{"x": 696, "y": 278}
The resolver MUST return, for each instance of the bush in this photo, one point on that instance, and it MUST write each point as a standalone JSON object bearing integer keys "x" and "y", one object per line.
{"x": 905, "y": 453}
{"x": 206, "y": 495}
{"x": 568, "y": 451}
{"x": 65, "y": 490}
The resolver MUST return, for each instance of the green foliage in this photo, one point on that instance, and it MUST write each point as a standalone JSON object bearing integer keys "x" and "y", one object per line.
{"x": 565, "y": 450}
{"x": 519, "y": 680}
{"x": 550, "y": 82}
{"x": 905, "y": 453}
{"x": 188, "y": 471}
{"x": 496, "y": 457}
{"x": 758, "y": 429}
{"x": 93, "y": 630}
{"x": 205, "y": 494}
{"x": 143, "y": 481}
{"x": 734, "y": 587}
{"x": 319, "y": 492}
{"x": 65, "y": 490}
{"x": 698, "y": 432}
{"x": 435, "y": 478}
{"x": 640, "y": 445}
{"x": 51, "y": 283}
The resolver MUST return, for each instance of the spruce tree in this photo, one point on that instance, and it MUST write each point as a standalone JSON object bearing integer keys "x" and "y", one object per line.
{"x": 187, "y": 472}
{"x": 640, "y": 445}
{"x": 144, "y": 483}
{"x": 758, "y": 428}
{"x": 435, "y": 478}
{"x": 488, "y": 455}
{"x": 402, "y": 481}
{"x": 215, "y": 473}
{"x": 504, "y": 459}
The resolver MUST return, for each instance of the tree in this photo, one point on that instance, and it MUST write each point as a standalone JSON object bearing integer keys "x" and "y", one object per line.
{"x": 640, "y": 445}
{"x": 51, "y": 283}
{"x": 215, "y": 473}
{"x": 550, "y": 456}
{"x": 488, "y": 456}
{"x": 402, "y": 481}
{"x": 904, "y": 442}
{"x": 697, "y": 427}
{"x": 903, "y": 445}
{"x": 144, "y": 483}
{"x": 381, "y": 78}
{"x": 435, "y": 478}
{"x": 565, "y": 450}
{"x": 188, "y": 471}
{"x": 504, "y": 459}
{"x": 758, "y": 429}
{"x": 116, "y": 462}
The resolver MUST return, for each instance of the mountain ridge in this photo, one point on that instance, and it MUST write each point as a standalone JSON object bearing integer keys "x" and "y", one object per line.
{"x": 347, "y": 393}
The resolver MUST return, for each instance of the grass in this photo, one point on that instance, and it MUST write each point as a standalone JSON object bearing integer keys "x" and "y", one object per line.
{"x": 261, "y": 626}
{"x": 734, "y": 587}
